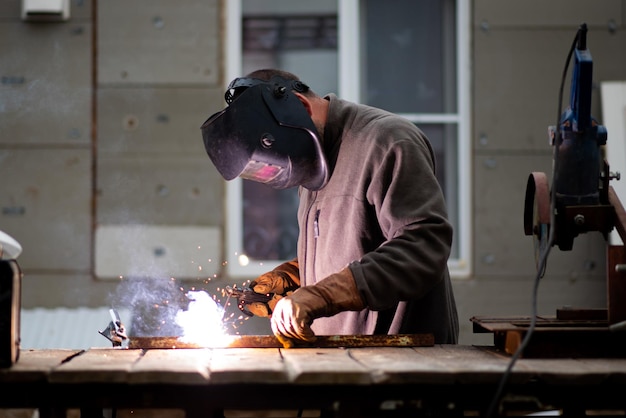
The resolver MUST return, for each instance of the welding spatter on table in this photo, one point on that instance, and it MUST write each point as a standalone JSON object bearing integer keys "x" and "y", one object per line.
{"x": 246, "y": 296}
{"x": 115, "y": 331}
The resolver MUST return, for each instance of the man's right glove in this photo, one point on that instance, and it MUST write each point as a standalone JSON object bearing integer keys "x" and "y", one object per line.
{"x": 295, "y": 313}
{"x": 281, "y": 281}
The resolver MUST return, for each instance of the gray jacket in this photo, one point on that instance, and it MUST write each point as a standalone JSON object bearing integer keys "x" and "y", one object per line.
{"x": 383, "y": 214}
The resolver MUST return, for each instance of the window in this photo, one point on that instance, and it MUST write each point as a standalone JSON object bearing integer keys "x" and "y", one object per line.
{"x": 404, "y": 56}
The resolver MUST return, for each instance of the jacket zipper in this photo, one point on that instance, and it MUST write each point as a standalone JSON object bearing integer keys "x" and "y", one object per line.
{"x": 309, "y": 253}
{"x": 316, "y": 225}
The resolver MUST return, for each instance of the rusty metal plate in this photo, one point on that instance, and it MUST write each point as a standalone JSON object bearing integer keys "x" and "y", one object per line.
{"x": 270, "y": 341}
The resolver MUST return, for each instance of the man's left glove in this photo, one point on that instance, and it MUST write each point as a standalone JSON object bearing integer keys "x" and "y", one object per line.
{"x": 294, "y": 314}
{"x": 280, "y": 281}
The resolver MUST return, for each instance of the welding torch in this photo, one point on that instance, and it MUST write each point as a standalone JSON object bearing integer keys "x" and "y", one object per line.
{"x": 246, "y": 296}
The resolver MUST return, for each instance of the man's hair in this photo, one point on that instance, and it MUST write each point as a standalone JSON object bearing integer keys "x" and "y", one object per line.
{"x": 267, "y": 73}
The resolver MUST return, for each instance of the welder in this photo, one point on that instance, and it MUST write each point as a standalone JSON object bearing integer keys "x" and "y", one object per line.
{"x": 374, "y": 235}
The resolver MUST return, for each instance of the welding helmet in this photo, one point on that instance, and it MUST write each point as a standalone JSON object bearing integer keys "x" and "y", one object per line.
{"x": 265, "y": 134}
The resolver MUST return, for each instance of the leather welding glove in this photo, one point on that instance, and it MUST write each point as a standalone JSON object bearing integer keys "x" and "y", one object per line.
{"x": 281, "y": 281}
{"x": 294, "y": 314}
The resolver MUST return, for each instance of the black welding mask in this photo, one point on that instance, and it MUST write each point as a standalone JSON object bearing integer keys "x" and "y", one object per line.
{"x": 265, "y": 134}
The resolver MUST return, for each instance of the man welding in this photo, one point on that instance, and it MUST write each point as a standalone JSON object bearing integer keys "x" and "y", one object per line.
{"x": 374, "y": 235}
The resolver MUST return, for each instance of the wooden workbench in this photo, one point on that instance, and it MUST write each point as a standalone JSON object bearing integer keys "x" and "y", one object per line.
{"x": 383, "y": 381}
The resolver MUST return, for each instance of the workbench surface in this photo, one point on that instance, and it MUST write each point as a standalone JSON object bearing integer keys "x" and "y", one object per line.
{"x": 208, "y": 381}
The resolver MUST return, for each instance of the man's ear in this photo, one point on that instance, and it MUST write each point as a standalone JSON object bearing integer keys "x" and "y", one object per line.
{"x": 306, "y": 102}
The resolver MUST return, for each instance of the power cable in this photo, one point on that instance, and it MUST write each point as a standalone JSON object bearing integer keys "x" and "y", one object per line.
{"x": 546, "y": 250}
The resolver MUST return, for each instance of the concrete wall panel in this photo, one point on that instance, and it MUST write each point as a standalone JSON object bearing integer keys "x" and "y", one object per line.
{"x": 45, "y": 205}
{"x": 45, "y": 83}
{"x": 161, "y": 191}
{"x": 179, "y": 42}
{"x": 553, "y": 13}
{"x": 154, "y": 121}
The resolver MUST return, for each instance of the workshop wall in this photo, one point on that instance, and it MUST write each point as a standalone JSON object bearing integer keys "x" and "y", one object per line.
{"x": 100, "y": 121}
{"x": 99, "y": 130}
{"x": 46, "y": 151}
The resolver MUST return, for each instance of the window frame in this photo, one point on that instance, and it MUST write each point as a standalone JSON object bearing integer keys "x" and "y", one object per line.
{"x": 348, "y": 13}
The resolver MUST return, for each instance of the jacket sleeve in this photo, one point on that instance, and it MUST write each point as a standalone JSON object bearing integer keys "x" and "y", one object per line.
{"x": 411, "y": 213}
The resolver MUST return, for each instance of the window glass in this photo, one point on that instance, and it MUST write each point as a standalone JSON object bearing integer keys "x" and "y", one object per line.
{"x": 443, "y": 138}
{"x": 409, "y": 55}
{"x": 299, "y": 37}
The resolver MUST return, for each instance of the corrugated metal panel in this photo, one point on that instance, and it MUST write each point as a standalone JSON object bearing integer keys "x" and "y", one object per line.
{"x": 66, "y": 328}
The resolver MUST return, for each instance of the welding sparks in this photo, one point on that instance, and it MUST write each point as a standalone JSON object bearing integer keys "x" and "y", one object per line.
{"x": 165, "y": 308}
{"x": 202, "y": 322}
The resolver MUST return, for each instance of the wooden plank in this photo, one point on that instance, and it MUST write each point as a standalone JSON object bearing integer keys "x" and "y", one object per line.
{"x": 180, "y": 366}
{"x": 400, "y": 365}
{"x": 35, "y": 365}
{"x": 568, "y": 371}
{"x": 574, "y": 371}
{"x": 612, "y": 370}
{"x": 247, "y": 365}
{"x": 325, "y": 366}
{"x": 466, "y": 364}
{"x": 106, "y": 365}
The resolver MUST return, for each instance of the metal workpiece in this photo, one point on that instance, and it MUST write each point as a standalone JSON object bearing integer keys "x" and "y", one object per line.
{"x": 270, "y": 341}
